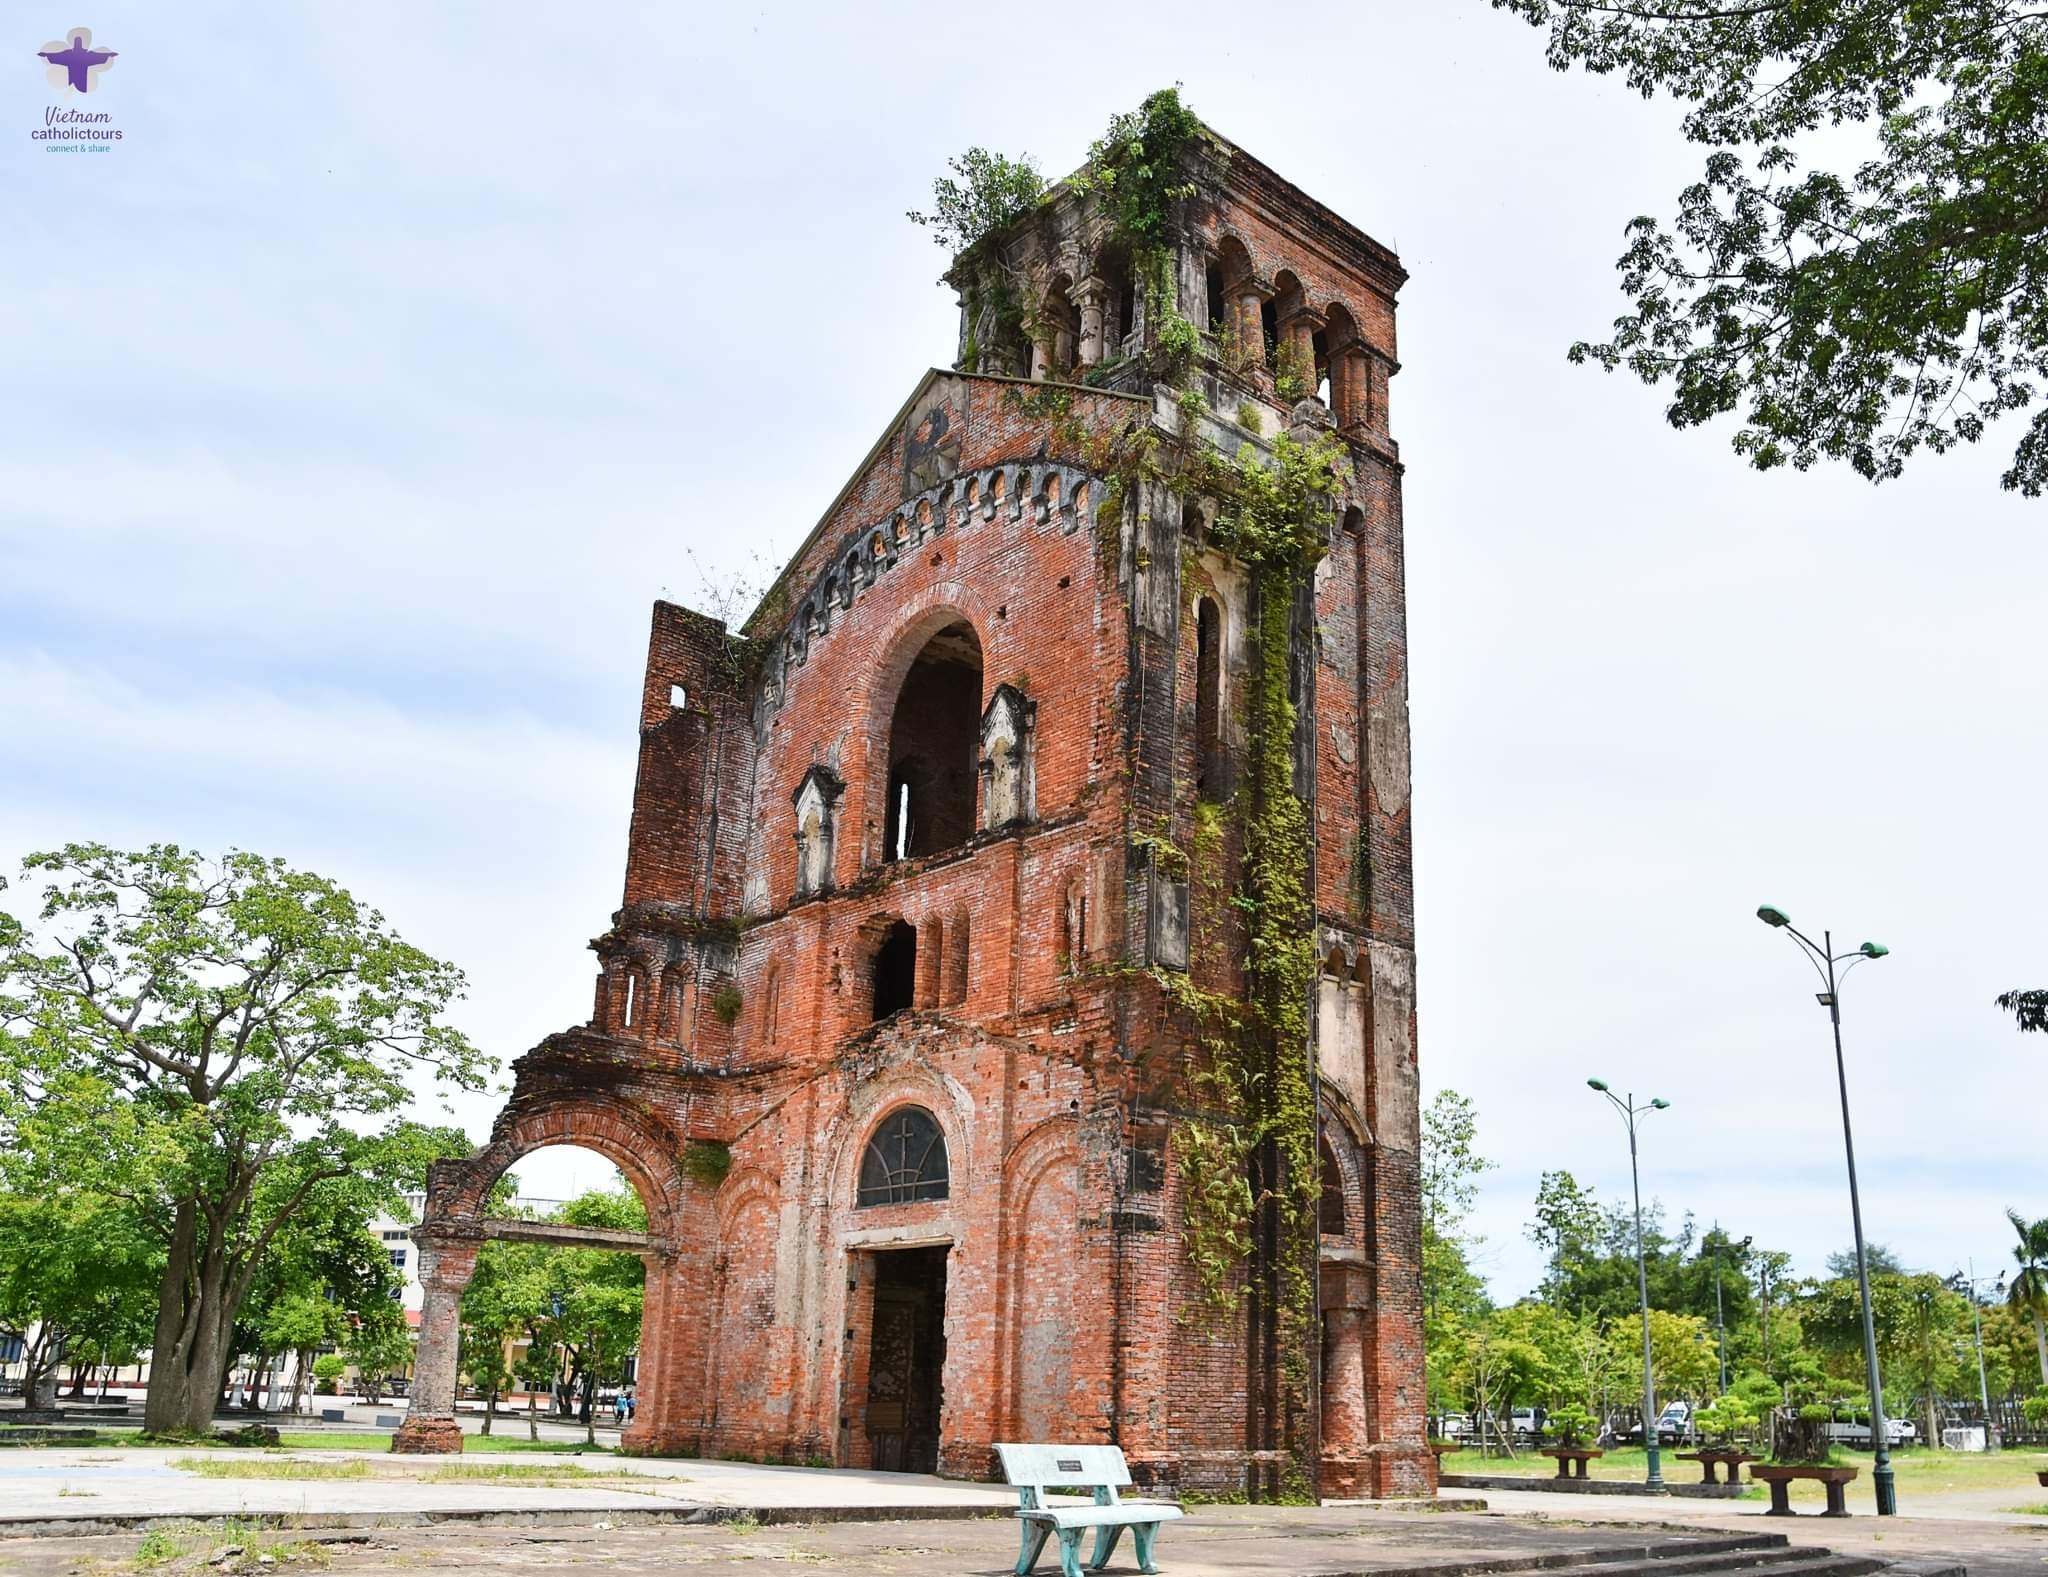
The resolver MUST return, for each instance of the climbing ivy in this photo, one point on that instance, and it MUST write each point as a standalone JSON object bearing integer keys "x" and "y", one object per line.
{"x": 1138, "y": 171}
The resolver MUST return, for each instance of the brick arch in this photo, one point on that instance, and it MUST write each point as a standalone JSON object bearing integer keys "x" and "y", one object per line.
{"x": 452, "y": 1230}
{"x": 1039, "y": 1280}
{"x": 643, "y": 1151}
{"x": 917, "y": 622}
{"x": 873, "y": 1101}
{"x": 1351, "y": 1144}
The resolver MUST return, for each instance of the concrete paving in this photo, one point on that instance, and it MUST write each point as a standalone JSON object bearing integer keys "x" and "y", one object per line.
{"x": 66, "y": 1496}
{"x": 1233, "y": 1541}
{"x": 127, "y": 1487}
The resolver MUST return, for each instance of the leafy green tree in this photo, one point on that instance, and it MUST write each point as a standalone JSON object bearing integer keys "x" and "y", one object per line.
{"x": 76, "y": 1276}
{"x": 985, "y": 192}
{"x": 1683, "y": 1362}
{"x": 1568, "y": 1230}
{"x": 1854, "y": 313}
{"x": 207, "y": 1040}
{"x": 1451, "y": 1166}
{"x": 328, "y": 1370}
{"x": 324, "y": 1266}
{"x": 1880, "y": 1260}
{"x": 1933, "y": 1335}
{"x": 378, "y": 1345}
{"x": 2028, "y": 1293}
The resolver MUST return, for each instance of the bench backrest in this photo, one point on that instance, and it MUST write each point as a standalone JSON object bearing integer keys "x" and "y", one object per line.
{"x": 1034, "y": 1469}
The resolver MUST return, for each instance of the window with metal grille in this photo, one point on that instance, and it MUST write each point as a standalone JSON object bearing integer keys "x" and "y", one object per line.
{"x": 905, "y": 1160}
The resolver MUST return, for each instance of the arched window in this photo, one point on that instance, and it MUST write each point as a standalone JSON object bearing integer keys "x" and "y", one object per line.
{"x": 934, "y": 747}
{"x": 905, "y": 1160}
{"x": 1208, "y": 698}
{"x": 1330, "y": 1206}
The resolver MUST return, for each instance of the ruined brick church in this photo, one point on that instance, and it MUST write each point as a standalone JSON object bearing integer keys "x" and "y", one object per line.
{"x": 886, "y": 1032}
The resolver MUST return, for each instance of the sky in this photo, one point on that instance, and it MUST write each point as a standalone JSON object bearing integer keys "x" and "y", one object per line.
{"x": 357, "y": 405}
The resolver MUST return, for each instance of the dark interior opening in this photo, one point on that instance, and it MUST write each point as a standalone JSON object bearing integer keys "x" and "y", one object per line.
{"x": 1213, "y": 281}
{"x": 1321, "y": 350}
{"x": 1208, "y": 696}
{"x": 1269, "y": 325}
{"x": 895, "y": 970}
{"x": 1330, "y": 1206}
{"x": 907, "y": 1360}
{"x": 934, "y": 737}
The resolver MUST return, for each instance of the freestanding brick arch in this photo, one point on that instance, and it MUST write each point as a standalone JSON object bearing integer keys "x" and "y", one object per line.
{"x": 453, "y": 1227}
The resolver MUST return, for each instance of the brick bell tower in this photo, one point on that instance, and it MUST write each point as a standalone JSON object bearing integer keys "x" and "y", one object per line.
{"x": 944, "y": 935}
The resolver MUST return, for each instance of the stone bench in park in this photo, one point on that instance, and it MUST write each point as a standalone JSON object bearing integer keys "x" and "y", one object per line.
{"x": 1781, "y": 1478}
{"x": 1571, "y": 1460}
{"x": 1715, "y": 1458}
{"x": 1036, "y": 1470}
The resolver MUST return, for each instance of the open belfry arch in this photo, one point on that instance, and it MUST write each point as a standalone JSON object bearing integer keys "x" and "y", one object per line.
{"x": 934, "y": 1030}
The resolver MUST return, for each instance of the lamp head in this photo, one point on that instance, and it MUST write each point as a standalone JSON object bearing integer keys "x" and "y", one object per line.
{"x": 1873, "y": 950}
{"x": 1658, "y": 1104}
{"x": 1745, "y": 1242}
{"x": 1772, "y": 915}
{"x": 1597, "y": 1084}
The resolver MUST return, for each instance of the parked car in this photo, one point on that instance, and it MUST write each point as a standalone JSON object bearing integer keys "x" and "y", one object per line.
{"x": 1856, "y": 1433}
{"x": 1526, "y": 1423}
{"x": 1450, "y": 1426}
{"x": 1674, "y": 1424}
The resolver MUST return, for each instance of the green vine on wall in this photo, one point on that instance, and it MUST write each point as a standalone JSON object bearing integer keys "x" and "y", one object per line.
{"x": 1248, "y": 1164}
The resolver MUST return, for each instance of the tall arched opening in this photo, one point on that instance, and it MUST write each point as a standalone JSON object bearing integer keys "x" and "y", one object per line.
{"x": 605, "y": 1244}
{"x": 934, "y": 737}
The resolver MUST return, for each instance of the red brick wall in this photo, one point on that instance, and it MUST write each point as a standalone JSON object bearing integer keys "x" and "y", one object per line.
{"x": 734, "y": 1010}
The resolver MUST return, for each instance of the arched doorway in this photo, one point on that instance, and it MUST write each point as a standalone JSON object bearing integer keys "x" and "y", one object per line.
{"x": 468, "y": 1214}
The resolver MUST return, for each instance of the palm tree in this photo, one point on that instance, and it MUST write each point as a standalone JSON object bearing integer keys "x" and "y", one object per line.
{"x": 2029, "y": 1291}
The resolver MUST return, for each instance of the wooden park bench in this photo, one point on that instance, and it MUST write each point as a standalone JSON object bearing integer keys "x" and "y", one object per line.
{"x": 1716, "y": 1457}
{"x": 1834, "y": 1479}
{"x": 1572, "y": 1460}
{"x": 1035, "y": 1470}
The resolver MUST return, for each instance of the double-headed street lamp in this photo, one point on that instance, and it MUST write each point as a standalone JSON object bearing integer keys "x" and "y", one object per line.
{"x": 1720, "y": 1323}
{"x": 1824, "y": 958}
{"x": 1630, "y": 1112}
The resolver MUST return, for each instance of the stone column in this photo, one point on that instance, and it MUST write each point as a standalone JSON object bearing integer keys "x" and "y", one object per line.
{"x": 1351, "y": 405}
{"x": 1251, "y": 326}
{"x": 1345, "y": 1433}
{"x": 1298, "y": 334}
{"x": 1089, "y": 298}
{"x": 655, "y": 1426}
{"x": 446, "y": 1264}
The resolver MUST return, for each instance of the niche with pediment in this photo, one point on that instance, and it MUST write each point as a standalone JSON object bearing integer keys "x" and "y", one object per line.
{"x": 817, "y": 813}
{"x": 1006, "y": 749}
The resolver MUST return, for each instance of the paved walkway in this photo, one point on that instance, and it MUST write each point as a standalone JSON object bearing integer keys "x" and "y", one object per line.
{"x": 1233, "y": 1541}
{"x": 120, "y": 1485}
{"x": 98, "y": 1491}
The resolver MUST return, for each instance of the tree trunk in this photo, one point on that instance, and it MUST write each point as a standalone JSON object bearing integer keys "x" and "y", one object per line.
{"x": 193, "y": 1320}
{"x": 532, "y": 1416}
{"x": 2041, "y": 1344}
{"x": 490, "y": 1409}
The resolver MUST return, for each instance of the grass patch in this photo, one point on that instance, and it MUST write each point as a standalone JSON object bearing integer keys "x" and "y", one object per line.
{"x": 2030, "y": 1511}
{"x": 235, "y": 1547}
{"x": 396, "y": 1468}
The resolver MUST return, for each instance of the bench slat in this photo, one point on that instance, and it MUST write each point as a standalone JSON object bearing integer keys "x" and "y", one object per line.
{"x": 1121, "y": 1515}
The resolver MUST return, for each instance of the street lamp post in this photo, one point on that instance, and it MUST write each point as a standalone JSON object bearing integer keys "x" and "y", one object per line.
{"x": 1630, "y": 1112}
{"x": 1969, "y": 1285}
{"x": 1824, "y": 958}
{"x": 1720, "y": 1323}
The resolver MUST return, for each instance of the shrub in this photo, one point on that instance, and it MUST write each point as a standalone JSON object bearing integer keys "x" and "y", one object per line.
{"x": 327, "y": 1373}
